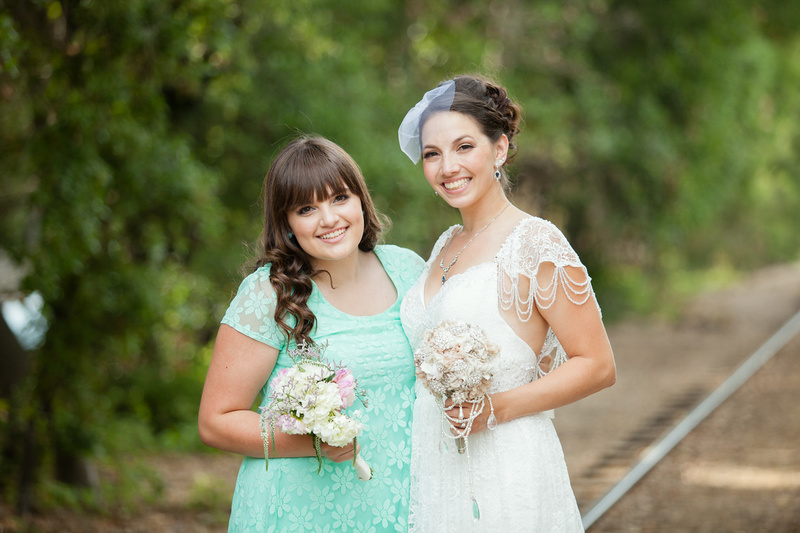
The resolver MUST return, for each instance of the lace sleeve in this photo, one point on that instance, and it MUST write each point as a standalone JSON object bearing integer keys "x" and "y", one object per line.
{"x": 440, "y": 242}
{"x": 522, "y": 280}
{"x": 252, "y": 310}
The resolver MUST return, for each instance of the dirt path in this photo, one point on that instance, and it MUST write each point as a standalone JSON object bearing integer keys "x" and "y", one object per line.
{"x": 661, "y": 363}
{"x": 739, "y": 471}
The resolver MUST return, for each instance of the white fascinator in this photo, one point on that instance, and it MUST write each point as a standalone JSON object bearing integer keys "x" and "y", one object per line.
{"x": 438, "y": 99}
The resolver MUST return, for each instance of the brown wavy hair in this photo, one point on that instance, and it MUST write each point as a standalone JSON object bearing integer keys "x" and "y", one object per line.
{"x": 308, "y": 169}
{"x": 489, "y": 105}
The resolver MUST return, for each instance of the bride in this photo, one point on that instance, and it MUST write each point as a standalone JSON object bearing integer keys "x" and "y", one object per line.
{"x": 516, "y": 277}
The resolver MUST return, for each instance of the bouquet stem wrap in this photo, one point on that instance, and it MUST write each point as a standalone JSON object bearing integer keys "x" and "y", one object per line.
{"x": 363, "y": 471}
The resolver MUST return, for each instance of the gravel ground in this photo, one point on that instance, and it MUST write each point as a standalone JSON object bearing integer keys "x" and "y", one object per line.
{"x": 662, "y": 365}
{"x": 665, "y": 369}
{"x": 739, "y": 471}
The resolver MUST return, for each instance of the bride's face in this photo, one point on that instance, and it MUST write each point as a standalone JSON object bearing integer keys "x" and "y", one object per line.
{"x": 458, "y": 159}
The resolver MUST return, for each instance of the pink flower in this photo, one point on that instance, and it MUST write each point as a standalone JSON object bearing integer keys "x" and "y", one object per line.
{"x": 278, "y": 379}
{"x": 347, "y": 386}
{"x": 290, "y": 424}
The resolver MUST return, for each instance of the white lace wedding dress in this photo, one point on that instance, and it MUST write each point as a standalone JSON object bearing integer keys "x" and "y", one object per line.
{"x": 519, "y": 475}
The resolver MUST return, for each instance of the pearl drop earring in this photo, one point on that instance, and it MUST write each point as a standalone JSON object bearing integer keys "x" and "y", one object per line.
{"x": 497, "y": 165}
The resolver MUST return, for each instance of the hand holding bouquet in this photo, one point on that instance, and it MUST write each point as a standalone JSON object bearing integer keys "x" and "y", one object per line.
{"x": 309, "y": 398}
{"x": 456, "y": 360}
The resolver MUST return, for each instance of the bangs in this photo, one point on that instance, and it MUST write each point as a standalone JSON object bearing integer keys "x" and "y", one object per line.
{"x": 308, "y": 182}
{"x": 310, "y": 170}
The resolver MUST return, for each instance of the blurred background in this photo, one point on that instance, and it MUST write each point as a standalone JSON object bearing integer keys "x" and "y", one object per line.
{"x": 661, "y": 137}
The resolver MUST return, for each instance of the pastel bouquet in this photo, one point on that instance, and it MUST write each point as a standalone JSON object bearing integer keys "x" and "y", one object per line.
{"x": 310, "y": 398}
{"x": 456, "y": 360}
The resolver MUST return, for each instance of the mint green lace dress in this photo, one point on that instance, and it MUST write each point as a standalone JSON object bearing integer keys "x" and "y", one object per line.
{"x": 291, "y": 496}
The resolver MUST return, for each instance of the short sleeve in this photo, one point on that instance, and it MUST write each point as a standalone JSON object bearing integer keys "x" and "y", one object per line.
{"x": 404, "y": 266}
{"x": 539, "y": 252}
{"x": 252, "y": 311}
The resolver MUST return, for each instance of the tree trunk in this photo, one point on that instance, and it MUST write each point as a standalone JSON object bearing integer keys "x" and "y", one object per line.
{"x": 20, "y": 450}
{"x": 15, "y": 363}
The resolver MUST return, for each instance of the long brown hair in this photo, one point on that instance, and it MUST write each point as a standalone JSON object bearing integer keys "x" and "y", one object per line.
{"x": 308, "y": 169}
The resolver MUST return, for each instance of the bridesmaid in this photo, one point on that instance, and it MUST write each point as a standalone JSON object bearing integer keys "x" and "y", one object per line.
{"x": 321, "y": 277}
{"x": 517, "y": 278}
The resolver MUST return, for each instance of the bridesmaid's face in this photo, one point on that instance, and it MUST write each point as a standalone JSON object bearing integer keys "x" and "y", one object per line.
{"x": 458, "y": 159}
{"x": 329, "y": 229}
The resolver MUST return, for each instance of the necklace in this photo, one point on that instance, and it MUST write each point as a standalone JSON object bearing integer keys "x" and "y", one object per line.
{"x": 446, "y": 269}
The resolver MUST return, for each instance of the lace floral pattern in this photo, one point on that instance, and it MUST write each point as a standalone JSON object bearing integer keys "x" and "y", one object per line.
{"x": 291, "y": 496}
{"x": 533, "y": 243}
{"x": 520, "y": 477}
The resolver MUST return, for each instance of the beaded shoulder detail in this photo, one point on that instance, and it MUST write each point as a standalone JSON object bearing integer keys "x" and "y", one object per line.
{"x": 533, "y": 243}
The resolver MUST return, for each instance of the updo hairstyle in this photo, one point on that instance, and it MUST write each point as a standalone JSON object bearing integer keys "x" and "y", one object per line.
{"x": 488, "y": 104}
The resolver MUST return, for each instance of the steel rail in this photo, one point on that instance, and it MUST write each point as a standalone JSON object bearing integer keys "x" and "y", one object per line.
{"x": 658, "y": 450}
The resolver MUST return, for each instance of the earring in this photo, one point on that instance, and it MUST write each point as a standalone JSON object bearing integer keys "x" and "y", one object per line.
{"x": 290, "y": 234}
{"x": 497, "y": 165}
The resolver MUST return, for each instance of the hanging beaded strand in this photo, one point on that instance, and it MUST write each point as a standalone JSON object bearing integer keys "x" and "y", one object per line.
{"x": 462, "y": 440}
{"x": 491, "y": 422}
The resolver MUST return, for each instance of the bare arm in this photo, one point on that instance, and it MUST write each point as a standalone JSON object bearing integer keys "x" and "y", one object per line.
{"x": 239, "y": 368}
{"x": 589, "y": 369}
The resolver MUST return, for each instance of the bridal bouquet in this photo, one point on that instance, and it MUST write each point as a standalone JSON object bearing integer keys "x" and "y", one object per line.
{"x": 309, "y": 398}
{"x": 456, "y": 360}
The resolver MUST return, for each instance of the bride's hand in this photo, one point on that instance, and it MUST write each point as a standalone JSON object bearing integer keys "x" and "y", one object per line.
{"x": 478, "y": 425}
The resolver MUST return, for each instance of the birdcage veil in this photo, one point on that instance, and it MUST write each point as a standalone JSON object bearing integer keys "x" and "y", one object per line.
{"x": 440, "y": 99}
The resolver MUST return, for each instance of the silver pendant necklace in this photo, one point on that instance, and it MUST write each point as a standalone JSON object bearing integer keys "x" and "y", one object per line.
{"x": 446, "y": 269}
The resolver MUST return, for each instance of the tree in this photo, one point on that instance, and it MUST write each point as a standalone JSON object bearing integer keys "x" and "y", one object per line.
{"x": 108, "y": 208}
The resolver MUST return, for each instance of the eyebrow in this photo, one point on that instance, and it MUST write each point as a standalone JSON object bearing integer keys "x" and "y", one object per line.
{"x": 460, "y": 139}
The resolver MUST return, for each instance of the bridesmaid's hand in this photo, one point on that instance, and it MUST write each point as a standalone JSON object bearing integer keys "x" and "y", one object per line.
{"x": 338, "y": 454}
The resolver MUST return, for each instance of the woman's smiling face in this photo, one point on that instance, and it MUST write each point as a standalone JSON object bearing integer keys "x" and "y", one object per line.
{"x": 329, "y": 229}
{"x": 458, "y": 159}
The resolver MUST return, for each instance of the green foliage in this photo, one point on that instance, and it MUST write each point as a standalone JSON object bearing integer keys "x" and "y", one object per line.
{"x": 56, "y": 495}
{"x": 210, "y": 493}
{"x": 127, "y": 487}
{"x": 105, "y": 202}
{"x": 661, "y": 137}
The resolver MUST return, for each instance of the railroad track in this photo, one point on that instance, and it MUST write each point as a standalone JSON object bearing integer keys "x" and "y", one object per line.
{"x": 622, "y": 467}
